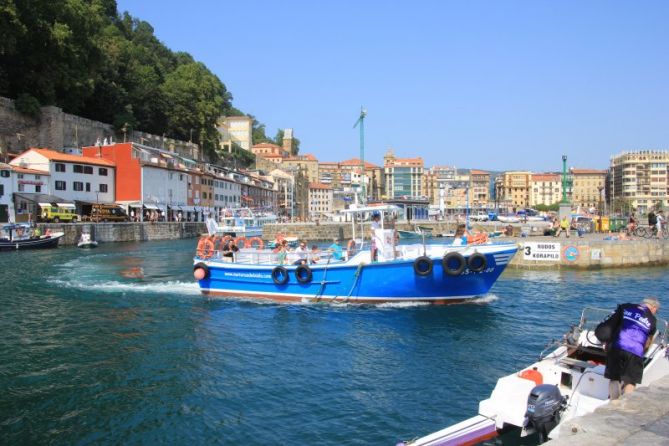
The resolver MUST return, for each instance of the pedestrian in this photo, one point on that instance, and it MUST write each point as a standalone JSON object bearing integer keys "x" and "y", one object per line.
{"x": 635, "y": 332}
{"x": 563, "y": 227}
{"x": 660, "y": 223}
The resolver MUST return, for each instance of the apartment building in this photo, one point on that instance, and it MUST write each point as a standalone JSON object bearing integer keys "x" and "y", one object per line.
{"x": 70, "y": 177}
{"x": 588, "y": 185}
{"x": 321, "y": 200}
{"x": 513, "y": 189}
{"x": 545, "y": 189}
{"x": 403, "y": 176}
{"x": 235, "y": 131}
{"x": 640, "y": 178}
{"x": 479, "y": 188}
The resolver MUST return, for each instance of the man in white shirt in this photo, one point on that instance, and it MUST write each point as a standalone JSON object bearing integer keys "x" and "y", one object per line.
{"x": 301, "y": 252}
{"x": 376, "y": 224}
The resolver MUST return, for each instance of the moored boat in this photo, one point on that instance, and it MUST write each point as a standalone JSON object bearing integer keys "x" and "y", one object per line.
{"x": 22, "y": 236}
{"x": 567, "y": 382}
{"x": 85, "y": 241}
{"x": 427, "y": 273}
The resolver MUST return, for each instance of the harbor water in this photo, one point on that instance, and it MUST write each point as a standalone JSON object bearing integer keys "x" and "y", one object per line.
{"x": 116, "y": 345}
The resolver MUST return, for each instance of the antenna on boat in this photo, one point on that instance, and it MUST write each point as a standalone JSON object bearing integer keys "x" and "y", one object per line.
{"x": 361, "y": 121}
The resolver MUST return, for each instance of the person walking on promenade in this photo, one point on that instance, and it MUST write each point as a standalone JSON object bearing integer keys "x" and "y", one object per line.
{"x": 660, "y": 223}
{"x": 624, "y": 359}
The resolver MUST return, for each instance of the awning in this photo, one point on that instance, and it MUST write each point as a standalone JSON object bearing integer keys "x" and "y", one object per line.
{"x": 151, "y": 206}
{"x": 188, "y": 208}
{"x": 66, "y": 205}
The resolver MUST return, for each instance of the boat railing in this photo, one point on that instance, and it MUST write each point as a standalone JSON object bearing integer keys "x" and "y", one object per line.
{"x": 248, "y": 256}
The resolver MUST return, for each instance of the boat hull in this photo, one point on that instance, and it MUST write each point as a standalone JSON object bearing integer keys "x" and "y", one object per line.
{"x": 35, "y": 243}
{"x": 392, "y": 281}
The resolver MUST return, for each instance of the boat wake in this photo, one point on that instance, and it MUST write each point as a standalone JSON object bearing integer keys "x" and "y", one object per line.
{"x": 484, "y": 300}
{"x": 171, "y": 287}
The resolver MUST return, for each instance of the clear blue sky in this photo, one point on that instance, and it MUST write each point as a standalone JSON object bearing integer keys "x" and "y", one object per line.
{"x": 496, "y": 85}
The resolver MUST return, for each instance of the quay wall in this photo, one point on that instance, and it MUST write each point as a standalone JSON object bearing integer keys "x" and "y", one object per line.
{"x": 640, "y": 418}
{"x": 545, "y": 252}
{"x": 127, "y": 232}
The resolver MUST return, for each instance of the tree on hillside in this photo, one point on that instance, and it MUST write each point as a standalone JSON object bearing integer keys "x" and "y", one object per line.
{"x": 196, "y": 98}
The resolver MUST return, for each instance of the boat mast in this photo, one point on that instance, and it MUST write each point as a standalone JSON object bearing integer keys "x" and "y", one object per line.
{"x": 361, "y": 121}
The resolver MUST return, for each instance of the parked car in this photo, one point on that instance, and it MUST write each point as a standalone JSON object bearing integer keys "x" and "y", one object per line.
{"x": 479, "y": 217}
{"x": 58, "y": 212}
{"x": 108, "y": 212}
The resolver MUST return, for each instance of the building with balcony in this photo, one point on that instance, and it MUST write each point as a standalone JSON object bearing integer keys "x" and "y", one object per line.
{"x": 512, "y": 190}
{"x": 235, "y": 131}
{"x": 587, "y": 187}
{"x": 640, "y": 179}
{"x": 545, "y": 189}
{"x": 321, "y": 199}
{"x": 403, "y": 176}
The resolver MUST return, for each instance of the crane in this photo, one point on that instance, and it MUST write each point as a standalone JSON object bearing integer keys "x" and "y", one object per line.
{"x": 361, "y": 121}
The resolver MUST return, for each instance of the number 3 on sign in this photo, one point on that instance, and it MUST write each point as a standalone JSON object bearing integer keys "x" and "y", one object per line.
{"x": 528, "y": 250}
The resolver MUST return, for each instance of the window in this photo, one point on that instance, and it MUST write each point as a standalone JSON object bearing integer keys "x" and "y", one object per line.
{"x": 21, "y": 187}
{"x": 38, "y": 189}
{"x": 60, "y": 167}
{"x": 20, "y": 175}
{"x": 78, "y": 168}
{"x": 102, "y": 171}
{"x": 60, "y": 185}
{"x": 103, "y": 188}
{"x": 88, "y": 170}
{"x": 2, "y": 188}
{"x": 78, "y": 186}
{"x": 4, "y": 173}
{"x": 88, "y": 187}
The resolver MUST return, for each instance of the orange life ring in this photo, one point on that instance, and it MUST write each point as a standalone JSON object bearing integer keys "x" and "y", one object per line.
{"x": 249, "y": 242}
{"x": 205, "y": 248}
{"x": 240, "y": 241}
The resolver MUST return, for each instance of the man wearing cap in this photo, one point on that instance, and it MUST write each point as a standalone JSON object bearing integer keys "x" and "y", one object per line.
{"x": 624, "y": 360}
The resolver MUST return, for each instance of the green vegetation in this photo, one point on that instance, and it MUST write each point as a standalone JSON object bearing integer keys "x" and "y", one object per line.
{"x": 83, "y": 56}
{"x": 545, "y": 208}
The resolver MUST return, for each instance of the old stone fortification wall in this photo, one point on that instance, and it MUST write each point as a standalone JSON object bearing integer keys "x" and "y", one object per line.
{"x": 127, "y": 232}
{"x": 641, "y": 418}
{"x": 56, "y": 129}
{"x": 589, "y": 252}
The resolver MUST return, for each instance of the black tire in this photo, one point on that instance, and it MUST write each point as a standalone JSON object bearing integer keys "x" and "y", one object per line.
{"x": 423, "y": 266}
{"x": 56, "y": 220}
{"x": 453, "y": 263}
{"x": 280, "y": 275}
{"x": 303, "y": 274}
{"x": 477, "y": 262}
{"x": 203, "y": 267}
{"x": 74, "y": 219}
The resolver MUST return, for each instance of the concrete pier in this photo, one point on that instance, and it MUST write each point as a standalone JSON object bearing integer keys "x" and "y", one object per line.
{"x": 126, "y": 232}
{"x": 641, "y": 418}
{"x": 535, "y": 251}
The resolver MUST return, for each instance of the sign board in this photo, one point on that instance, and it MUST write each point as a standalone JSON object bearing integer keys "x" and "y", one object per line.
{"x": 596, "y": 254}
{"x": 571, "y": 253}
{"x": 545, "y": 251}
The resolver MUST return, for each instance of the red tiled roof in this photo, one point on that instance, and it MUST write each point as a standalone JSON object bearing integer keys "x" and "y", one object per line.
{"x": 545, "y": 177}
{"x": 319, "y": 186}
{"x": 66, "y": 157}
{"x": 478, "y": 172}
{"x": 356, "y": 162}
{"x": 587, "y": 171}
{"x": 265, "y": 145}
{"x": 20, "y": 169}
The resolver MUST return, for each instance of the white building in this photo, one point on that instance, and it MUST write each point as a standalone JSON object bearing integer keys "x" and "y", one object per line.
{"x": 321, "y": 198}
{"x": 164, "y": 188}
{"x": 71, "y": 177}
{"x": 236, "y": 130}
{"x": 6, "y": 191}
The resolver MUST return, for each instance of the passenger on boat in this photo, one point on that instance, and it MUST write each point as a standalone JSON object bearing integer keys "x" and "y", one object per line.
{"x": 460, "y": 238}
{"x": 337, "y": 252}
{"x": 376, "y": 224}
{"x": 624, "y": 360}
{"x": 314, "y": 255}
{"x": 283, "y": 252}
{"x": 302, "y": 253}
{"x": 229, "y": 249}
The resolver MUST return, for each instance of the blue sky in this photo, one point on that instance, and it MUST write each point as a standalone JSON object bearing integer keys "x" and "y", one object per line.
{"x": 495, "y": 85}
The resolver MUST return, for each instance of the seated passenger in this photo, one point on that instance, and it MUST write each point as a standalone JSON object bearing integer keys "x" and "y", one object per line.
{"x": 337, "y": 252}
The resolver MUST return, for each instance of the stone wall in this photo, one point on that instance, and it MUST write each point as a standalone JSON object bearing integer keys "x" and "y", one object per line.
{"x": 127, "y": 232}
{"x": 56, "y": 130}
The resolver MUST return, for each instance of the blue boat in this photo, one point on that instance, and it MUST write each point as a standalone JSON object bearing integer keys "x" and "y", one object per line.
{"x": 407, "y": 273}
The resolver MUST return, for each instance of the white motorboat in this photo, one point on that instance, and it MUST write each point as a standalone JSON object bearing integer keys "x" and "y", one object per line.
{"x": 566, "y": 383}
{"x": 85, "y": 241}
{"x": 240, "y": 222}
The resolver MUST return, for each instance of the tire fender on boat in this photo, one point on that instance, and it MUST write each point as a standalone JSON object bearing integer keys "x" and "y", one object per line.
{"x": 477, "y": 262}
{"x": 280, "y": 275}
{"x": 303, "y": 274}
{"x": 453, "y": 263}
{"x": 423, "y": 266}
{"x": 201, "y": 271}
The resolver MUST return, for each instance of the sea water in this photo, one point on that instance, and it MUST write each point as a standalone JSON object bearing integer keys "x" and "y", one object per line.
{"x": 116, "y": 345}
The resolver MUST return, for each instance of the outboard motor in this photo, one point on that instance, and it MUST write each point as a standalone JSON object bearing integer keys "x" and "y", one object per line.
{"x": 544, "y": 408}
